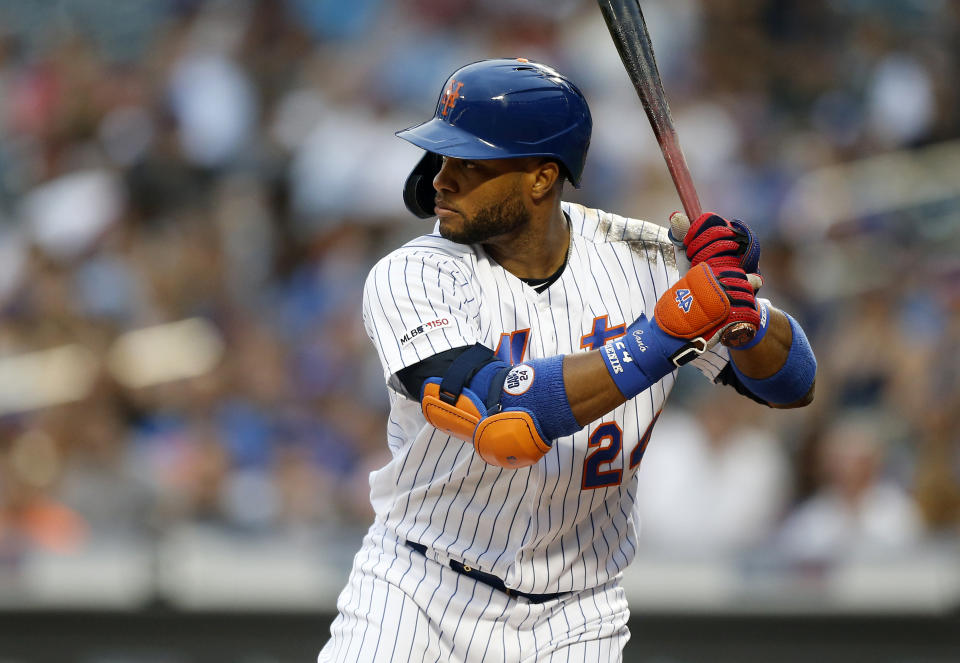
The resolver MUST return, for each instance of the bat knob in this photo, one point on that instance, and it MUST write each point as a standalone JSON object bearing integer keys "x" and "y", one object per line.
{"x": 737, "y": 334}
{"x": 679, "y": 225}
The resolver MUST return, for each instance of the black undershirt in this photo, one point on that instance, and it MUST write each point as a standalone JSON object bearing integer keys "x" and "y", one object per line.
{"x": 542, "y": 284}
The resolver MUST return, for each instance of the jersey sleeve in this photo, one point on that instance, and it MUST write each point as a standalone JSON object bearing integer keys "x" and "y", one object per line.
{"x": 417, "y": 305}
{"x": 712, "y": 362}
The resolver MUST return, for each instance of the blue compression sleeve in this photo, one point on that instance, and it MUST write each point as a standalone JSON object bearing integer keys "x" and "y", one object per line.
{"x": 535, "y": 386}
{"x": 795, "y": 377}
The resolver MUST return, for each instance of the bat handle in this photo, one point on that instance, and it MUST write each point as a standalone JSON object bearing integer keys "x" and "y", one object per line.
{"x": 679, "y": 173}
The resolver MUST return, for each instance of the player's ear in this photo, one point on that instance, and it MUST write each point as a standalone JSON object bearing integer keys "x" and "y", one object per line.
{"x": 546, "y": 174}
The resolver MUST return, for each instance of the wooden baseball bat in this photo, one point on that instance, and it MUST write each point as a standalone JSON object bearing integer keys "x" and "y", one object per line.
{"x": 629, "y": 31}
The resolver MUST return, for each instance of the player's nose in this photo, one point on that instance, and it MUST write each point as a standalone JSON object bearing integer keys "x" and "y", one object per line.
{"x": 444, "y": 179}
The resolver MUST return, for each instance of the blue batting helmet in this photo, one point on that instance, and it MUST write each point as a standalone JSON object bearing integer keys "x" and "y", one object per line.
{"x": 500, "y": 109}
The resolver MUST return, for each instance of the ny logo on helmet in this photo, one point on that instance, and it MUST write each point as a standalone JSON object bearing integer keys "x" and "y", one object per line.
{"x": 450, "y": 96}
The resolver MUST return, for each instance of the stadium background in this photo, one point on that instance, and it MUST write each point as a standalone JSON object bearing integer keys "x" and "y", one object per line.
{"x": 191, "y": 194}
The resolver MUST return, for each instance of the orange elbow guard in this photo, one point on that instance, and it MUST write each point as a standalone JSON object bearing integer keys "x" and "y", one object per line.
{"x": 458, "y": 419}
{"x": 509, "y": 439}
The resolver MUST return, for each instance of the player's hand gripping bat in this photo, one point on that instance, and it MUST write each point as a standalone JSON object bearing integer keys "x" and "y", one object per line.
{"x": 629, "y": 32}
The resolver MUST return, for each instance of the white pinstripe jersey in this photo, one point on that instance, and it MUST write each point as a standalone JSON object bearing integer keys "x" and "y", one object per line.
{"x": 567, "y": 522}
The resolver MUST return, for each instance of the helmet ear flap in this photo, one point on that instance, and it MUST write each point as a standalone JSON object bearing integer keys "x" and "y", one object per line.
{"x": 418, "y": 192}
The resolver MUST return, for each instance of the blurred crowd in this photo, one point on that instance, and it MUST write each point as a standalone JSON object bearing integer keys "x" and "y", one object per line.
{"x": 234, "y": 162}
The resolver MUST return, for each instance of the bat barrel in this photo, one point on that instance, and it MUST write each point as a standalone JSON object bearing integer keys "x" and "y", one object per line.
{"x": 629, "y": 31}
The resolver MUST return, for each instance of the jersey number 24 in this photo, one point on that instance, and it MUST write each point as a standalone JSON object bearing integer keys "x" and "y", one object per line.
{"x": 605, "y": 443}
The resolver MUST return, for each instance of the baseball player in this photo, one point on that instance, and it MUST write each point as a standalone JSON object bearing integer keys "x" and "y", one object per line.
{"x": 528, "y": 346}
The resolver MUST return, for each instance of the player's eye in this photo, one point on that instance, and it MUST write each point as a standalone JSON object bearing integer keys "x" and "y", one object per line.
{"x": 468, "y": 164}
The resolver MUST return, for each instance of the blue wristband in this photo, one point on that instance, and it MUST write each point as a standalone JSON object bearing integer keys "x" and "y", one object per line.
{"x": 624, "y": 371}
{"x": 761, "y": 330}
{"x": 641, "y": 357}
{"x": 795, "y": 377}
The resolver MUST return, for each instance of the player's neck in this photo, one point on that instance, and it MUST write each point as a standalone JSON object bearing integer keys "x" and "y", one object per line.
{"x": 535, "y": 251}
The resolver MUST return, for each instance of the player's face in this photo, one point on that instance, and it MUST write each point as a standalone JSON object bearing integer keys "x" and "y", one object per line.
{"x": 478, "y": 201}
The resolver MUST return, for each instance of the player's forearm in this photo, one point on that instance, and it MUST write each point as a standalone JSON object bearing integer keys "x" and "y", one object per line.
{"x": 590, "y": 389}
{"x": 768, "y": 357}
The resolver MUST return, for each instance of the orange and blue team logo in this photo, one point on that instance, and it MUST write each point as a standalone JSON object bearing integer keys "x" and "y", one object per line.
{"x": 512, "y": 347}
{"x": 684, "y": 299}
{"x": 450, "y": 96}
